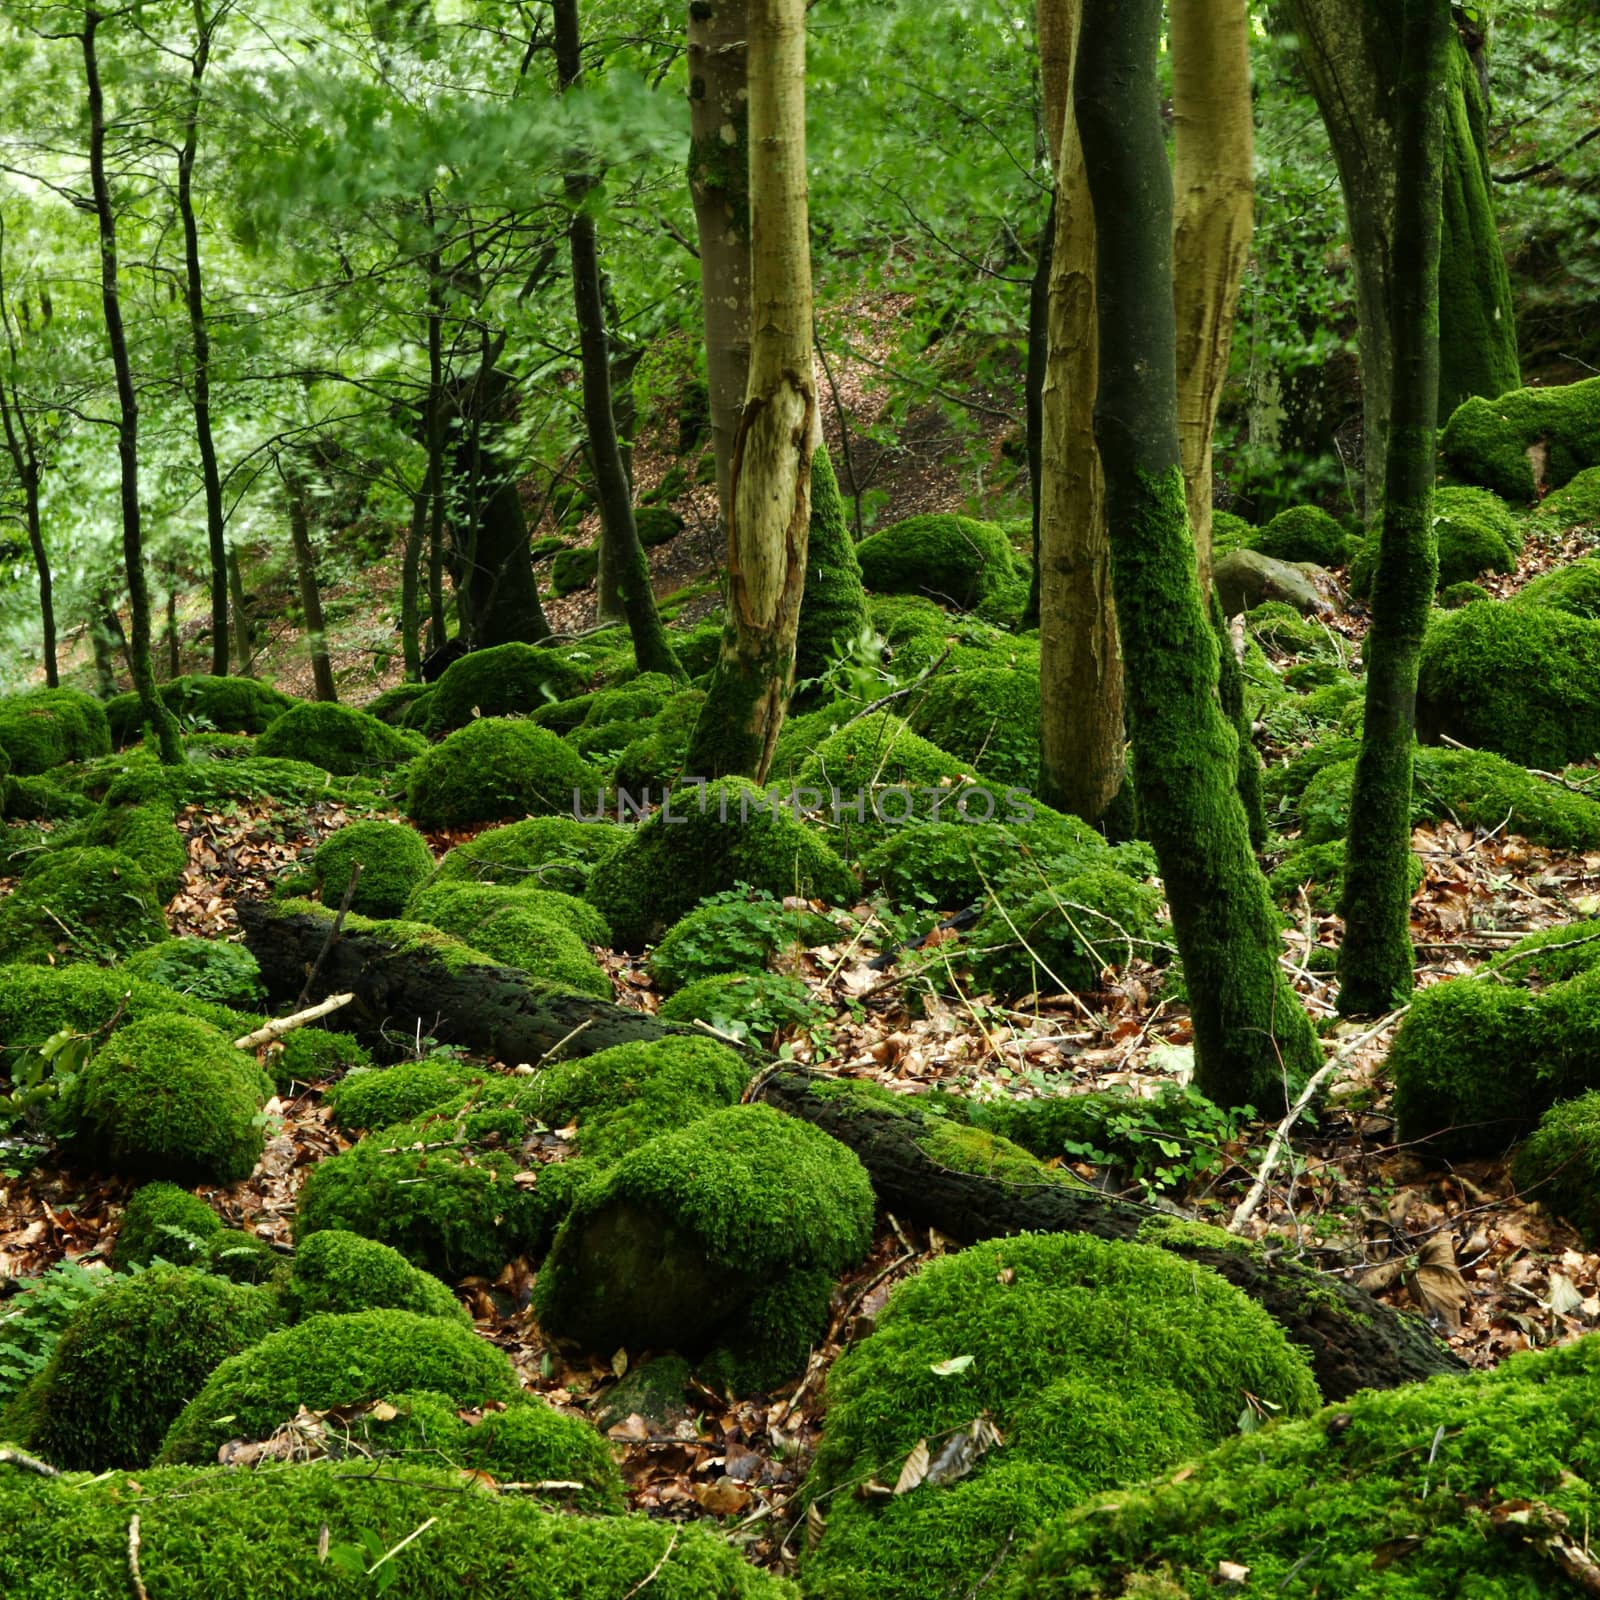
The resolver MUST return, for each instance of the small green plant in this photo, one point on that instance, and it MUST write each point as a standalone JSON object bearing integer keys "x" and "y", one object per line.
{"x": 31, "y": 1320}
{"x": 1162, "y": 1144}
{"x": 39, "y": 1075}
{"x": 738, "y": 930}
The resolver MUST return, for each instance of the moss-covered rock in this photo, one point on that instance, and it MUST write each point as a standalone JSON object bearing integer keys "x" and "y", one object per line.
{"x": 1476, "y": 533}
{"x": 573, "y": 569}
{"x": 542, "y": 853}
{"x": 335, "y": 1271}
{"x": 379, "y": 1097}
{"x": 1304, "y": 533}
{"x": 163, "y": 1220}
{"x": 1575, "y": 504}
{"x": 228, "y": 705}
{"x": 744, "y": 1005}
{"x": 339, "y": 739}
{"x": 1456, "y": 595}
{"x": 146, "y": 836}
{"x": 312, "y": 1055}
{"x": 1560, "y": 1165}
{"x": 130, "y": 1360}
{"x": 80, "y": 904}
{"x": 953, "y": 559}
{"x": 496, "y": 768}
{"x": 335, "y": 1360}
{"x": 652, "y": 762}
{"x": 1096, "y": 1362}
{"x": 1488, "y": 442}
{"x": 1280, "y": 628}
{"x": 543, "y": 931}
{"x": 221, "y": 1534}
{"x": 1318, "y": 870}
{"x": 1229, "y": 531}
{"x": 393, "y": 858}
{"x": 390, "y": 705}
{"x": 503, "y": 681}
{"x": 170, "y": 1097}
{"x": 715, "y": 837}
{"x": 988, "y": 719}
{"x": 1398, "y": 1494}
{"x": 243, "y": 1258}
{"x": 45, "y": 728}
{"x": 1573, "y": 588}
{"x": 655, "y": 525}
{"x": 728, "y": 1232}
{"x": 740, "y": 931}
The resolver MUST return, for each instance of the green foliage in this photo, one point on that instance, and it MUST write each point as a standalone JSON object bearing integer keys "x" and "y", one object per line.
{"x": 953, "y": 559}
{"x": 378, "y": 1097}
{"x": 334, "y": 1360}
{"x": 130, "y": 1360}
{"x": 88, "y": 904}
{"x": 32, "y": 1318}
{"x": 496, "y": 768}
{"x": 1551, "y": 954}
{"x": 1304, "y": 533}
{"x": 392, "y": 703}
{"x": 338, "y": 738}
{"x": 45, "y": 728}
{"x": 1560, "y": 1165}
{"x": 541, "y": 853}
{"x": 1097, "y": 1362}
{"x": 311, "y": 1055}
{"x": 573, "y": 569}
{"x": 393, "y": 859}
{"x": 1319, "y": 870}
{"x": 162, "y": 1220}
{"x": 987, "y": 718}
{"x": 503, "y": 681}
{"x": 209, "y": 969}
{"x": 1486, "y": 442}
{"x": 744, "y": 1005}
{"x": 226, "y": 705}
{"x": 335, "y": 1271}
{"x": 739, "y": 930}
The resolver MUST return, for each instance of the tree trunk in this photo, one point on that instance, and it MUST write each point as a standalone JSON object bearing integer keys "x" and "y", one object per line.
{"x": 1033, "y": 387}
{"x": 305, "y": 566}
{"x": 1081, "y": 734}
{"x": 833, "y": 609}
{"x": 1252, "y": 1039}
{"x": 434, "y": 420}
{"x": 780, "y": 425}
{"x": 410, "y": 587}
{"x": 200, "y": 342}
{"x": 25, "y": 463}
{"x": 174, "y": 657}
{"x": 1375, "y": 960}
{"x": 1214, "y": 180}
{"x": 627, "y": 567}
{"x": 105, "y": 660}
{"x": 155, "y": 711}
{"x": 719, "y": 184}
{"x": 243, "y": 649}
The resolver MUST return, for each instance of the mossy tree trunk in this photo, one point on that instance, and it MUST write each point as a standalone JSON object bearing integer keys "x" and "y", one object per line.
{"x": 305, "y": 568}
{"x": 243, "y": 649}
{"x": 22, "y": 447}
{"x": 1375, "y": 960}
{"x": 627, "y": 567}
{"x": 833, "y": 609}
{"x": 1252, "y": 1039}
{"x": 156, "y": 714}
{"x": 719, "y": 184}
{"x": 411, "y": 587}
{"x": 779, "y": 426}
{"x": 1081, "y": 733}
{"x": 1033, "y": 387}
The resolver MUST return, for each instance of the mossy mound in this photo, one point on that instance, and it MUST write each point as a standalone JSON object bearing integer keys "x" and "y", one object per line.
{"x": 130, "y": 1360}
{"x": 604, "y": 743}
{"x": 953, "y": 559}
{"x": 740, "y": 931}
{"x": 717, "y": 836}
{"x": 657, "y": 524}
{"x": 1062, "y": 936}
{"x": 988, "y": 718}
{"x": 339, "y": 739}
{"x": 228, "y": 705}
{"x": 1456, "y": 595}
{"x": 393, "y": 858}
{"x": 221, "y": 1534}
{"x": 163, "y": 1220}
{"x": 1475, "y": 531}
{"x": 541, "y": 853}
{"x": 45, "y": 728}
{"x": 544, "y": 932}
{"x": 1398, "y": 1494}
{"x": 503, "y": 681}
{"x": 727, "y": 1232}
{"x": 390, "y": 705}
{"x": 456, "y": 901}
{"x": 1560, "y": 1165}
{"x": 341, "y": 1272}
{"x": 651, "y": 763}
{"x": 1304, "y": 533}
{"x": 1280, "y": 627}
{"x": 1229, "y": 531}
{"x": 1575, "y": 504}
{"x": 497, "y": 768}
{"x": 80, "y": 904}
{"x": 208, "y": 969}
{"x": 169, "y": 1096}
{"x": 1487, "y": 442}
{"x": 382, "y": 1096}
{"x": 243, "y": 1258}
{"x": 335, "y": 1361}
{"x": 146, "y": 836}
{"x": 637, "y": 700}
{"x": 573, "y": 569}
{"x": 1552, "y": 954}
{"x": 743, "y": 1005}
{"x": 1097, "y": 1362}
{"x": 312, "y": 1055}
{"x": 1573, "y": 588}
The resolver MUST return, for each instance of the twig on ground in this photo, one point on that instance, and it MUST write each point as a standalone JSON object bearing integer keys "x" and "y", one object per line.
{"x": 279, "y": 1026}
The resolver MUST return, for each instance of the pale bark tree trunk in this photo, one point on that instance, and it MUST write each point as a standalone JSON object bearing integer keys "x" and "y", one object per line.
{"x": 779, "y": 426}
{"x": 305, "y": 566}
{"x": 719, "y": 184}
{"x": 243, "y": 649}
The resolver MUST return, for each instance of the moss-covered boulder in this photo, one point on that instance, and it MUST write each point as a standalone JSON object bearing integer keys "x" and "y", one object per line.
{"x": 1304, "y": 533}
{"x": 45, "y": 728}
{"x": 341, "y": 1272}
{"x": 497, "y": 768}
{"x": 1560, "y": 1165}
{"x": 218, "y": 1533}
{"x": 1475, "y": 531}
{"x": 1456, "y": 595}
{"x": 1317, "y": 871}
{"x": 573, "y": 569}
{"x": 80, "y": 904}
{"x": 312, "y": 1055}
{"x": 656, "y": 525}
{"x": 445, "y": 902}
{"x": 954, "y": 559}
{"x": 713, "y": 837}
{"x": 1398, "y": 1494}
{"x": 651, "y": 762}
{"x": 744, "y": 1005}
{"x": 541, "y": 853}
{"x": 1575, "y": 504}
{"x": 393, "y": 859}
{"x": 1494, "y": 443}
{"x": 169, "y": 1097}
{"x": 339, "y": 739}
{"x": 130, "y": 1361}
{"x": 507, "y": 680}
{"x": 1573, "y": 588}
{"x": 740, "y": 931}
{"x": 336, "y": 1360}
{"x": 163, "y": 1220}
{"x": 146, "y": 836}
{"x": 227, "y": 705}
{"x": 729, "y": 1232}
{"x": 389, "y": 706}
{"x": 379, "y": 1097}
{"x": 1095, "y": 1363}
{"x": 1245, "y": 579}
{"x": 987, "y": 718}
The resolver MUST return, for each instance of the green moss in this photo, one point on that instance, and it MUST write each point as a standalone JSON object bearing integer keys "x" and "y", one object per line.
{"x": 1304, "y": 533}
{"x": 339, "y": 739}
{"x": 335, "y": 1271}
{"x": 243, "y": 1258}
{"x": 1487, "y": 442}
{"x": 208, "y": 969}
{"x": 1560, "y": 1165}
{"x": 669, "y": 1247}
{"x": 163, "y": 1220}
{"x": 987, "y": 719}
{"x": 146, "y": 836}
{"x": 1573, "y": 588}
{"x": 45, "y": 728}
{"x": 1319, "y": 870}
{"x": 605, "y": 742}
{"x": 1280, "y": 627}
{"x": 651, "y": 763}
{"x": 544, "y": 932}
{"x": 655, "y": 525}
{"x": 723, "y": 834}
{"x": 734, "y": 932}
{"x": 334, "y": 1361}
{"x": 1230, "y": 532}
{"x": 379, "y": 1097}
{"x": 169, "y": 1096}
{"x": 312, "y": 1055}
{"x": 833, "y": 608}
{"x": 637, "y": 700}
{"x": 1456, "y": 595}
{"x": 393, "y": 858}
{"x": 225, "y": 1534}
{"x": 500, "y": 682}
{"x": 965, "y": 1148}
{"x": 80, "y": 904}
{"x": 131, "y": 1359}
{"x": 388, "y": 706}
{"x": 954, "y": 559}
{"x": 1551, "y": 954}
{"x": 1097, "y": 1362}
{"x": 541, "y": 853}
{"x": 228, "y": 705}
{"x": 1399, "y": 1494}
{"x": 496, "y": 768}
{"x": 743, "y": 1004}
{"x": 573, "y": 569}
{"x": 1575, "y": 504}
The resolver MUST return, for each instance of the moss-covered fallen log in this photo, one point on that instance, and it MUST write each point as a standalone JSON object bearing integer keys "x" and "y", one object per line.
{"x": 927, "y": 1168}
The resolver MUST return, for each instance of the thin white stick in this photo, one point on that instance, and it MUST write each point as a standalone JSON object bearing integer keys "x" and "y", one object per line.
{"x": 282, "y": 1025}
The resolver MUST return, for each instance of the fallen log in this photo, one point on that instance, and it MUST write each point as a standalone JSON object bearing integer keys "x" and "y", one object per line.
{"x": 1354, "y": 1341}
